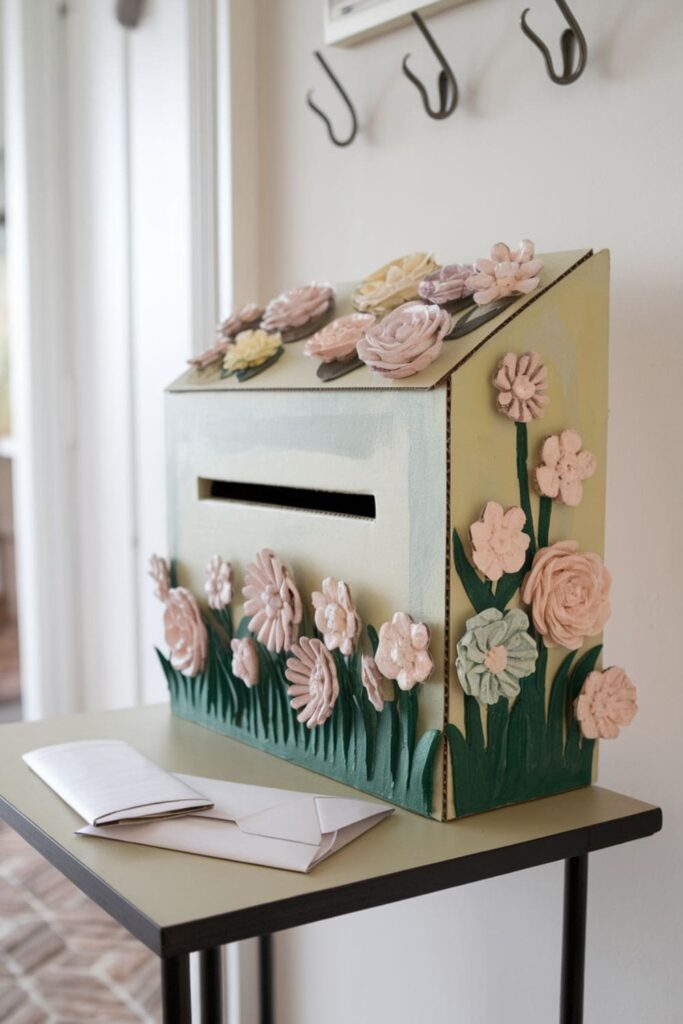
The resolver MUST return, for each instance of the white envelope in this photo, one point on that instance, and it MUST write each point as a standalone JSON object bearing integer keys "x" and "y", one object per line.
{"x": 108, "y": 781}
{"x": 277, "y": 828}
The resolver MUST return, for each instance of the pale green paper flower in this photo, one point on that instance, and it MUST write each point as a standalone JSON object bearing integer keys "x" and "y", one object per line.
{"x": 494, "y": 654}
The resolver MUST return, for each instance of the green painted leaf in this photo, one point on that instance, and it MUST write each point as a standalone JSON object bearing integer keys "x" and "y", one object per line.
{"x": 476, "y": 590}
{"x": 373, "y": 637}
{"x": 506, "y": 588}
{"x": 583, "y": 668}
{"x": 557, "y": 707}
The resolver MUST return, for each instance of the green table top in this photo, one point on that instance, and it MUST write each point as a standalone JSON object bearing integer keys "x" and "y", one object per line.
{"x": 176, "y": 902}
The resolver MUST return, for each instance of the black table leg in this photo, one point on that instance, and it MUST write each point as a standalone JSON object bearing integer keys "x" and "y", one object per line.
{"x": 574, "y": 939}
{"x": 266, "y": 978}
{"x": 175, "y": 990}
{"x": 211, "y": 985}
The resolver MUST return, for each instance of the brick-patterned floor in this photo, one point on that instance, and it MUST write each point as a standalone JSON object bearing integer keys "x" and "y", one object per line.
{"x": 62, "y": 959}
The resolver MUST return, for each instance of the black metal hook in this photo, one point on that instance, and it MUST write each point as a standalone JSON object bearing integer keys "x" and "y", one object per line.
{"x": 572, "y": 40}
{"x": 448, "y": 87}
{"x": 347, "y": 101}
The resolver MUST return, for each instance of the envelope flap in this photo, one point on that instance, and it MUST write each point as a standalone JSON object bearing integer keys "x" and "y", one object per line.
{"x": 335, "y": 814}
{"x": 294, "y": 820}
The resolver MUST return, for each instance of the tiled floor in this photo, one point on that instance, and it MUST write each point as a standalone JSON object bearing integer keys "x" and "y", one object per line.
{"x": 62, "y": 959}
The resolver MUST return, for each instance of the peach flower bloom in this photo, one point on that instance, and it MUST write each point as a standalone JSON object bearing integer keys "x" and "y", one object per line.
{"x": 564, "y": 467}
{"x": 240, "y": 320}
{"x": 521, "y": 382}
{"x": 272, "y": 600}
{"x": 393, "y": 284}
{"x": 314, "y": 684}
{"x": 218, "y": 586}
{"x": 185, "y": 632}
{"x": 499, "y": 543}
{"x": 338, "y": 340}
{"x": 447, "y": 284}
{"x": 606, "y": 702}
{"x": 403, "y": 651}
{"x": 158, "y": 570}
{"x": 371, "y": 679}
{"x": 405, "y": 341}
{"x": 297, "y": 307}
{"x": 245, "y": 663}
{"x": 568, "y": 591}
{"x": 336, "y": 616}
{"x": 211, "y": 355}
{"x": 506, "y": 273}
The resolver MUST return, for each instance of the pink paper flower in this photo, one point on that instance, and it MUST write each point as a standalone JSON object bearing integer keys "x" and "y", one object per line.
{"x": 405, "y": 341}
{"x": 447, "y": 284}
{"x": 403, "y": 651}
{"x": 336, "y": 616}
{"x": 506, "y": 273}
{"x": 499, "y": 543}
{"x": 297, "y": 307}
{"x": 338, "y": 340}
{"x": 521, "y": 382}
{"x": 218, "y": 585}
{"x": 371, "y": 679}
{"x": 211, "y": 355}
{"x": 158, "y": 570}
{"x": 568, "y": 591}
{"x": 314, "y": 684}
{"x": 245, "y": 663}
{"x": 242, "y": 319}
{"x": 185, "y": 632}
{"x": 606, "y": 702}
{"x": 564, "y": 467}
{"x": 272, "y": 600}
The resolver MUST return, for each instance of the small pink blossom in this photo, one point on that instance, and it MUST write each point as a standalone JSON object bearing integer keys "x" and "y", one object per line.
{"x": 159, "y": 572}
{"x": 521, "y": 382}
{"x": 499, "y": 544}
{"x": 403, "y": 651}
{"x": 185, "y": 632}
{"x": 272, "y": 601}
{"x": 447, "y": 284}
{"x": 606, "y": 702}
{"x": 564, "y": 467}
{"x": 242, "y": 319}
{"x": 336, "y": 616}
{"x": 314, "y": 685}
{"x": 212, "y": 355}
{"x": 507, "y": 273}
{"x": 371, "y": 679}
{"x": 218, "y": 585}
{"x": 245, "y": 663}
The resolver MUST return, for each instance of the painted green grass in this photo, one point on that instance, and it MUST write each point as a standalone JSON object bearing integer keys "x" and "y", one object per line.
{"x": 379, "y": 753}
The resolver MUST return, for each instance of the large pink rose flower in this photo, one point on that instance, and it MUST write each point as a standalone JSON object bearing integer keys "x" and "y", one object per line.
{"x": 185, "y": 632}
{"x": 568, "y": 591}
{"x": 606, "y": 702}
{"x": 297, "y": 307}
{"x": 272, "y": 600}
{"x": 338, "y": 340}
{"x": 406, "y": 341}
{"x": 499, "y": 544}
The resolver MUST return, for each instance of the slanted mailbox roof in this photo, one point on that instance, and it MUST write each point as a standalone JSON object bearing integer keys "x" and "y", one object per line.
{"x": 297, "y": 372}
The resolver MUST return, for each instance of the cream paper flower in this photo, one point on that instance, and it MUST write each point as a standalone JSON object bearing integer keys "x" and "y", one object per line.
{"x": 314, "y": 685}
{"x": 393, "y": 284}
{"x": 272, "y": 601}
{"x": 251, "y": 348}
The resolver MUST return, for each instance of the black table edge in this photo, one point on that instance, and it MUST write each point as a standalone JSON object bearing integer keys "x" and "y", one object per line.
{"x": 306, "y": 908}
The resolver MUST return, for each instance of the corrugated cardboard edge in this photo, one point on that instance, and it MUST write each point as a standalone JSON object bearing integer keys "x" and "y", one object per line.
{"x": 445, "y": 761}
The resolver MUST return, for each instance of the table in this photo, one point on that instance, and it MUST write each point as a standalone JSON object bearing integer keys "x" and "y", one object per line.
{"x": 177, "y": 903}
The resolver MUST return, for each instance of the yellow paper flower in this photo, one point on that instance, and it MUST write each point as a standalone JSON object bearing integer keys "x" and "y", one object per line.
{"x": 393, "y": 284}
{"x": 251, "y": 348}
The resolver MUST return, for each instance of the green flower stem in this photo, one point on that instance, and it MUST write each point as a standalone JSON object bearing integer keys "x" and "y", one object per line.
{"x": 545, "y": 507}
{"x": 523, "y": 480}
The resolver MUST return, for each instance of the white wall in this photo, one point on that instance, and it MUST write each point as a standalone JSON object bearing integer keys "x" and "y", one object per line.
{"x": 596, "y": 163}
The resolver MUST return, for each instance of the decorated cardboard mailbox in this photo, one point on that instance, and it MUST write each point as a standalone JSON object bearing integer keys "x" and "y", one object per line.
{"x": 401, "y": 489}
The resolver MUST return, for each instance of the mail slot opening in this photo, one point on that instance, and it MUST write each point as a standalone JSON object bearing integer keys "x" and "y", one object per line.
{"x": 304, "y": 499}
